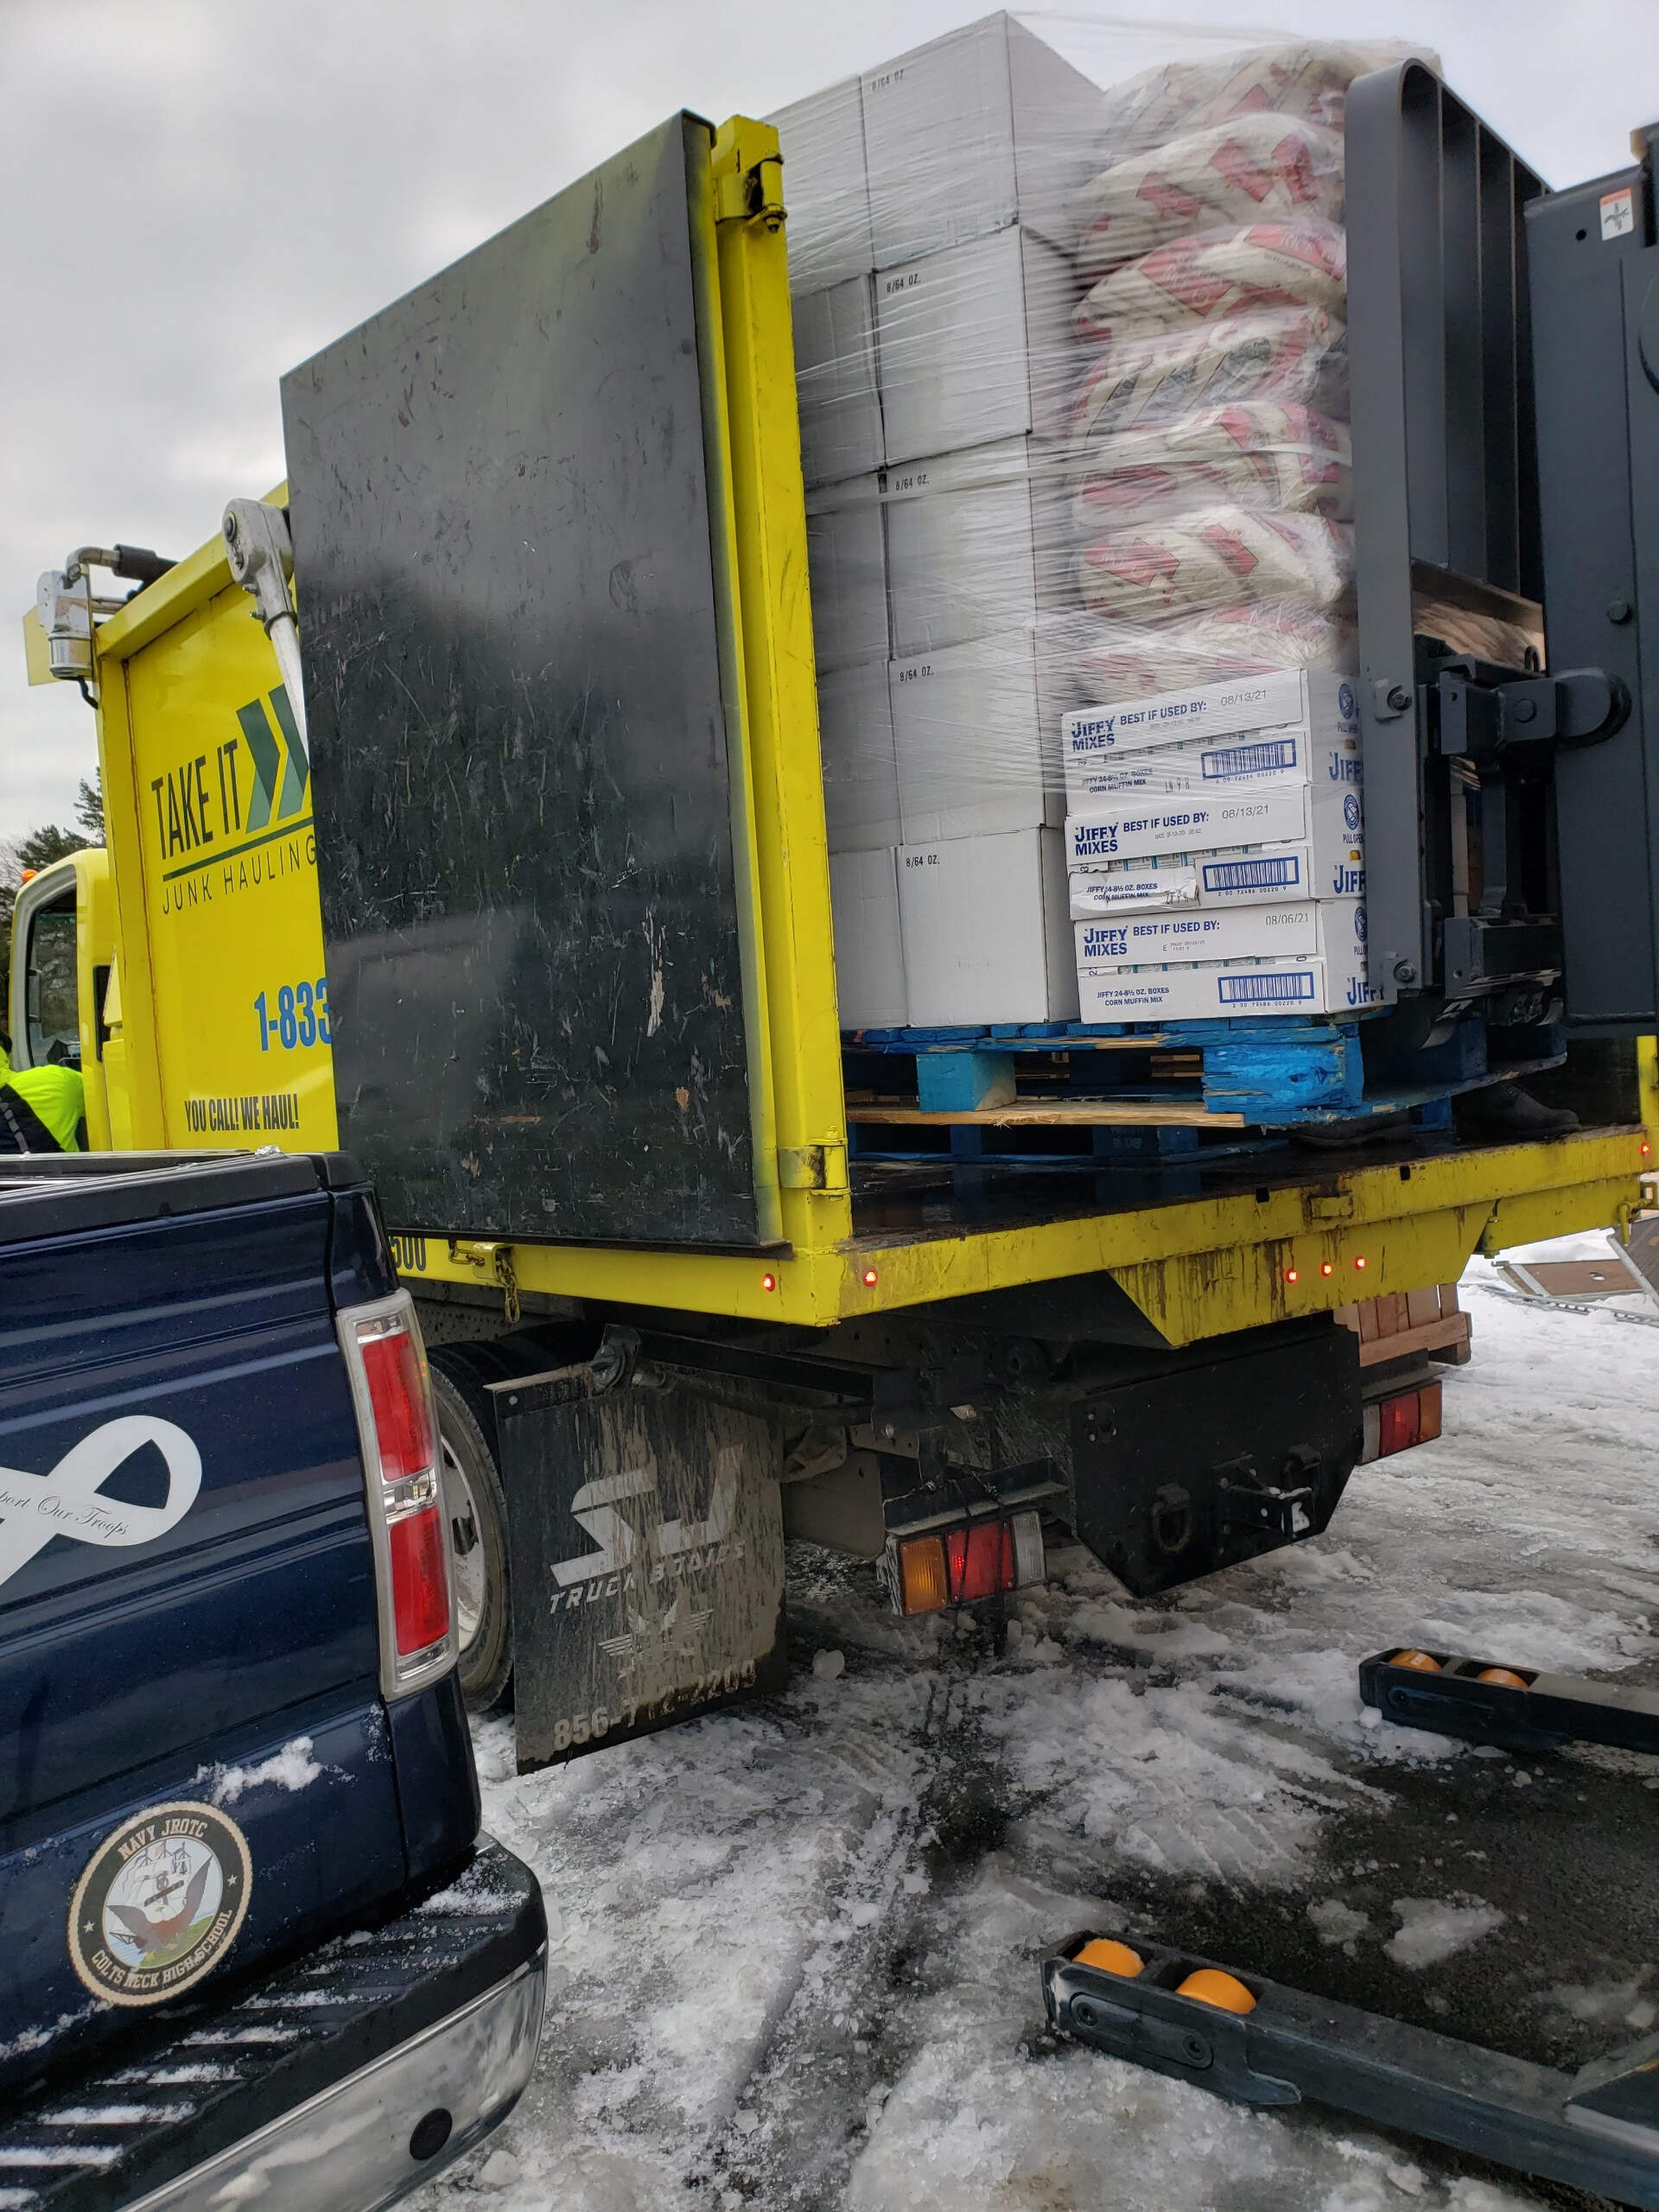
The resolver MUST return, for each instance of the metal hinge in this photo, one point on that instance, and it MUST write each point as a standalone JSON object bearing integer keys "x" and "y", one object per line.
{"x": 752, "y": 194}
{"x": 812, "y": 1167}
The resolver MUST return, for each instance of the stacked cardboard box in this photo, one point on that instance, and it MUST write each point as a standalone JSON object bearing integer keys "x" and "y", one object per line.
{"x": 1071, "y": 371}
{"x": 935, "y": 357}
{"x": 1216, "y": 840}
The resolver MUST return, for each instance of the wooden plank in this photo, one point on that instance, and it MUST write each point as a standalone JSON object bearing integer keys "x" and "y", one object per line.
{"x": 1058, "y": 1113}
{"x": 1393, "y": 1315}
{"x": 1450, "y": 1329}
{"x": 1423, "y": 1305}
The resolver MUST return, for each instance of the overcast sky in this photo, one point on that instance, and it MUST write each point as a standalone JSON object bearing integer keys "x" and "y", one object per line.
{"x": 200, "y": 195}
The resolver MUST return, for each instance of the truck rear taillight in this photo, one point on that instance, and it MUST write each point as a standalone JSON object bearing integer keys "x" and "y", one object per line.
{"x": 982, "y": 1560}
{"x": 398, "y": 1430}
{"x": 1409, "y": 1417}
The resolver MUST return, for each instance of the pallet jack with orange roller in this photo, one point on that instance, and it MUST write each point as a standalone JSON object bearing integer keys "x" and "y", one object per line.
{"x": 1255, "y": 2041}
{"x": 1518, "y": 1709}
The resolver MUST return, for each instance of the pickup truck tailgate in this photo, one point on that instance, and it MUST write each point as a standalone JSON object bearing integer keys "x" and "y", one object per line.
{"x": 201, "y": 1768}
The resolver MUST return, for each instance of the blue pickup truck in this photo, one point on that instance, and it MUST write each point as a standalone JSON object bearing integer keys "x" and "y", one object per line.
{"x": 252, "y": 1948}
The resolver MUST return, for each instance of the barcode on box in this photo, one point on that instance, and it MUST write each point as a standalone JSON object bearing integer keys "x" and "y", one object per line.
{"x": 1251, "y": 759}
{"x": 1252, "y": 876}
{"x": 1265, "y": 990}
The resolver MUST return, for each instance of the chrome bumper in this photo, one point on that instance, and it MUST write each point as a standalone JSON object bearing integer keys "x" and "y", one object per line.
{"x": 358, "y": 2144}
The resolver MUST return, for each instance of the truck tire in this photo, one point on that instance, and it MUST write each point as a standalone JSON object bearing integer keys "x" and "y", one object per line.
{"x": 478, "y": 1519}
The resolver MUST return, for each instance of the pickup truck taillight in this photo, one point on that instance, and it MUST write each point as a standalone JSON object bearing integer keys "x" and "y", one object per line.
{"x": 396, "y": 1422}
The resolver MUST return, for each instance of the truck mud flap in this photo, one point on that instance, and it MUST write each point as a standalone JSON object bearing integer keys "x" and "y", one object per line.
{"x": 1257, "y": 2042}
{"x": 1490, "y": 1701}
{"x": 646, "y": 1536}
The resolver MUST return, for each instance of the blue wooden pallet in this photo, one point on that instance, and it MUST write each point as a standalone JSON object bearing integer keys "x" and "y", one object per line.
{"x": 1257, "y": 1073}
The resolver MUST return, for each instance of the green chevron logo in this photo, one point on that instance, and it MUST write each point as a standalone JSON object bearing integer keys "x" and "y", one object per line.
{"x": 266, "y": 802}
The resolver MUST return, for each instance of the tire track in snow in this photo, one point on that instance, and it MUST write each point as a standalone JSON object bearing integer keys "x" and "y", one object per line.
{"x": 834, "y": 2040}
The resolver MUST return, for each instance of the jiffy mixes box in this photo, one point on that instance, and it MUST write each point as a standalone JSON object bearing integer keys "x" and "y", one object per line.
{"x": 1252, "y": 876}
{"x": 1319, "y": 705}
{"x": 1326, "y": 814}
{"x": 1224, "y": 933}
{"x": 1329, "y": 979}
{"x": 1271, "y": 757}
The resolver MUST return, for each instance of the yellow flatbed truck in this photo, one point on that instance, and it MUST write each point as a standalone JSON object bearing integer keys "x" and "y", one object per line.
{"x": 529, "y": 905}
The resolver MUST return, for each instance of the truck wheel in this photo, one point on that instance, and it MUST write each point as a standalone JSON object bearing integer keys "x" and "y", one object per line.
{"x": 477, "y": 1523}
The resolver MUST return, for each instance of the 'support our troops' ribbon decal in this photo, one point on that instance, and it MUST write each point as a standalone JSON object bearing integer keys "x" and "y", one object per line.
{"x": 68, "y": 1501}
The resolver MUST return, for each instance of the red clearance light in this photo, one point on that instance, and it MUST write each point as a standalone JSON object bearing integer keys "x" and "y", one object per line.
{"x": 768, "y": 1282}
{"x": 871, "y": 1277}
{"x": 1291, "y": 1275}
{"x": 1399, "y": 1422}
{"x": 1359, "y": 1258}
{"x": 1327, "y": 1267}
{"x": 1646, "y": 1147}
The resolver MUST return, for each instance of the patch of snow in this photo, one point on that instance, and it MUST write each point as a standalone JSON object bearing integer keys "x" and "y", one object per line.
{"x": 829, "y": 1666}
{"x": 56, "y": 2156}
{"x": 112, "y": 2115}
{"x": 1607, "y": 2004}
{"x": 1336, "y": 1923}
{"x": 292, "y": 1767}
{"x": 167, "y": 2077}
{"x": 1431, "y": 1930}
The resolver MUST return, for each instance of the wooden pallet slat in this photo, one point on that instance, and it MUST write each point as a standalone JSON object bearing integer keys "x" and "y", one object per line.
{"x": 1051, "y": 1112}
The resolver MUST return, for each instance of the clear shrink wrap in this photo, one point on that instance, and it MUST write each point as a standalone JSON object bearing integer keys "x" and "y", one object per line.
{"x": 826, "y": 187}
{"x": 1237, "y": 172}
{"x": 1308, "y": 81}
{"x": 984, "y": 128}
{"x": 1155, "y": 379}
{"x": 1121, "y": 660}
{"x": 1206, "y": 276}
{"x": 1218, "y": 558}
{"x": 1255, "y": 452}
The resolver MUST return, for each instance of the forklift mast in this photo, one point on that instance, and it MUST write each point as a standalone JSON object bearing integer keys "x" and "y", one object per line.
{"x": 1505, "y": 361}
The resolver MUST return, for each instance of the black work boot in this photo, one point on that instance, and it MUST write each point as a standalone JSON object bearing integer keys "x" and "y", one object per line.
{"x": 1505, "y": 1109}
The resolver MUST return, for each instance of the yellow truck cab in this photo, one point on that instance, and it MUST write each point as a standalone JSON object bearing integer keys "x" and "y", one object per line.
{"x": 522, "y": 893}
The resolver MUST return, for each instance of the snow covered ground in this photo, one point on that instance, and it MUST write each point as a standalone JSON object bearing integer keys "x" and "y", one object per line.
{"x": 792, "y": 1952}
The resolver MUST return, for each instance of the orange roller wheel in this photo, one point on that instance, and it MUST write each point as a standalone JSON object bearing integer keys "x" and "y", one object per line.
{"x": 1223, "y": 1991}
{"x": 1423, "y": 1661}
{"x": 1507, "y": 1675}
{"x": 1111, "y": 1958}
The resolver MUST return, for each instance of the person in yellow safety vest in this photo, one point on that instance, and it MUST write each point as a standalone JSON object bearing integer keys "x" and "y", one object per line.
{"x": 40, "y": 1109}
